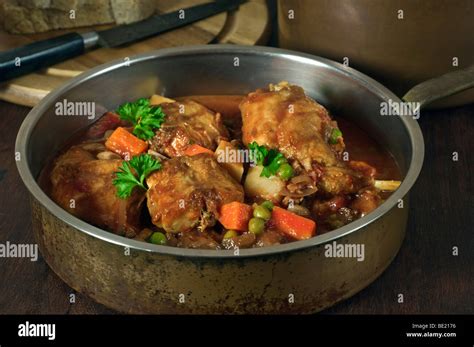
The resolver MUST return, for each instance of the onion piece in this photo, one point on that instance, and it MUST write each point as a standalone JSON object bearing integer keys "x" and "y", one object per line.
{"x": 108, "y": 133}
{"x": 387, "y": 185}
{"x": 156, "y": 100}
{"x": 93, "y": 146}
{"x": 303, "y": 193}
{"x": 300, "y": 186}
{"x": 299, "y": 210}
{"x": 108, "y": 155}
{"x": 245, "y": 240}
{"x": 157, "y": 155}
{"x": 304, "y": 178}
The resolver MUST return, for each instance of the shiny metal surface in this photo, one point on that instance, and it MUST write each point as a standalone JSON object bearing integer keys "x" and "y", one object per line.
{"x": 400, "y": 43}
{"x": 90, "y": 39}
{"x": 158, "y": 24}
{"x": 152, "y": 282}
{"x": 440, "y": 87}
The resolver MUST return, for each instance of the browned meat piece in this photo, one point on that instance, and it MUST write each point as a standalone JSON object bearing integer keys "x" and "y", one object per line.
{"x": 283, "y": 117}
{"x": 323, "y": 208}
{"x": 108, "y": 121}
{"x": 363, "y": 168}
{"x": 82, "y": 185}
{"x": 333, "y": 213}
{"x": 144, "y": 234}
{"x": 335, "y": 180}
{"x": 189, "y": 191}
{"x": 188, "y": 122}
{"x": 245, "y": 240}
{"x": 269, "y": 238}
{"x": 197, "y": 239}
{"x": 341, "y": 210}
{"x": 366, "y": 201}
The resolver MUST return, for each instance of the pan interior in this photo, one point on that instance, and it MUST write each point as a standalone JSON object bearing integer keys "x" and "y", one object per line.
{"x": 208, "y": 70}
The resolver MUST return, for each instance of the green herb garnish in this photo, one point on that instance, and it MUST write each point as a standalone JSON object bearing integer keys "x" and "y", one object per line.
{"x": 132, "y": 174}
{"x": 158, "y": 238}
{"x": 144, "y": 117}
{"x": 335, "y": 135}
{"x": 272, "y": 161}
{"x": 257, "y": 153}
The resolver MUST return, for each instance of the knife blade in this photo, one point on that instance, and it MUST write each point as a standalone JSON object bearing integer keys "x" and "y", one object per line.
{"x": 159, "y": 24}
{"x": 22, "y": 60}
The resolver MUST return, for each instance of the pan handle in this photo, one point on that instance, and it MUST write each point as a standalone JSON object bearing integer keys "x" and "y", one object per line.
{"x": 442, "y": 86}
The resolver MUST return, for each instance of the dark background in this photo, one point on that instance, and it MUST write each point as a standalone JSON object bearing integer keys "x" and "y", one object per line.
{"x": 430, "y": 278}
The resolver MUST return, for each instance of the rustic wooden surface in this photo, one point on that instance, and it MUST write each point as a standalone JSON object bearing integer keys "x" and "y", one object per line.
{"x": 430, "y": 278}
{"x": 249, "y": 25}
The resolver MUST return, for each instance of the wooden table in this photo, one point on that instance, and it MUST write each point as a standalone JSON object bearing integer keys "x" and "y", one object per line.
{"x": 430, "y": 278}
{"x": 248, "y": 25}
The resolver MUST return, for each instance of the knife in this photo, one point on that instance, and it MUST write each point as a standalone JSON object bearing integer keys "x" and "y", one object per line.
{"x": 22, "y": 60}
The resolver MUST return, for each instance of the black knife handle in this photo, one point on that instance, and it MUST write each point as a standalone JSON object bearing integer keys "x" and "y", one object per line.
{"x": 22, "y": 60}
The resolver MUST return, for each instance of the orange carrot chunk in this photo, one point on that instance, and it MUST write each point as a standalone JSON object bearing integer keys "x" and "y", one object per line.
{"x": 293, "y": 225}
{"x": 125, "y": 144}
{"x": 235, "y": 216}
{"x": 196, "y": 149}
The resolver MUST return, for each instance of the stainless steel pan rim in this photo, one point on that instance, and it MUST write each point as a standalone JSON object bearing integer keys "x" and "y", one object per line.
{"x": 412, "y": 128}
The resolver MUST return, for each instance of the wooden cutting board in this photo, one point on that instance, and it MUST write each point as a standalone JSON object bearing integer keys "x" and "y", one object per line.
{"x": 249, "y": 25}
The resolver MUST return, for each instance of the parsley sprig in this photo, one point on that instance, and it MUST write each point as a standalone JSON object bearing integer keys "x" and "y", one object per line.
{"x": 133, "y": 173}
{"x": 273, "y": 162}
{"x": 144, "y": 117}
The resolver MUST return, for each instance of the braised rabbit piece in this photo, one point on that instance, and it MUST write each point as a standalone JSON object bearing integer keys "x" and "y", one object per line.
{"x": 82, "y": 184}
{"x": 283, "y": 117}
{"x": 188, "y": 193}
{"x": 221, "y": 172}
{"x": 188, "y": 122}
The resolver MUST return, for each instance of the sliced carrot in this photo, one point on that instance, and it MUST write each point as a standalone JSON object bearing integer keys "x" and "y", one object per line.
{"x": 293, "y": 225}
{"x": 235, "y": 216}
{"x": 125, "y": 144}
{"x": 196, "y": 149}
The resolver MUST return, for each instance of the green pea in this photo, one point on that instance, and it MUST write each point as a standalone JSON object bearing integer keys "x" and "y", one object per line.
{"x": 256, "y": 225}
{"x": 230, "y": 234}
{"x": 262, "y": 212}
{"x": 335, "y": 135}
{"x": 158, "y": 238}
{"x": 281, "y": 160}
{"x": 268, "y": 205}
{"x": 285, "y": 171}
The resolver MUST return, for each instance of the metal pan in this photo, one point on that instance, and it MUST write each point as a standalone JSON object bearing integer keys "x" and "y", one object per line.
{"x": 398, "y": 42}
{"x": 137, "y": 277}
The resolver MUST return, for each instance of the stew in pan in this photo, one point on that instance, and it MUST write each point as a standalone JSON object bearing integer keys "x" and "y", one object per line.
{"x": 220, "y": 172}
